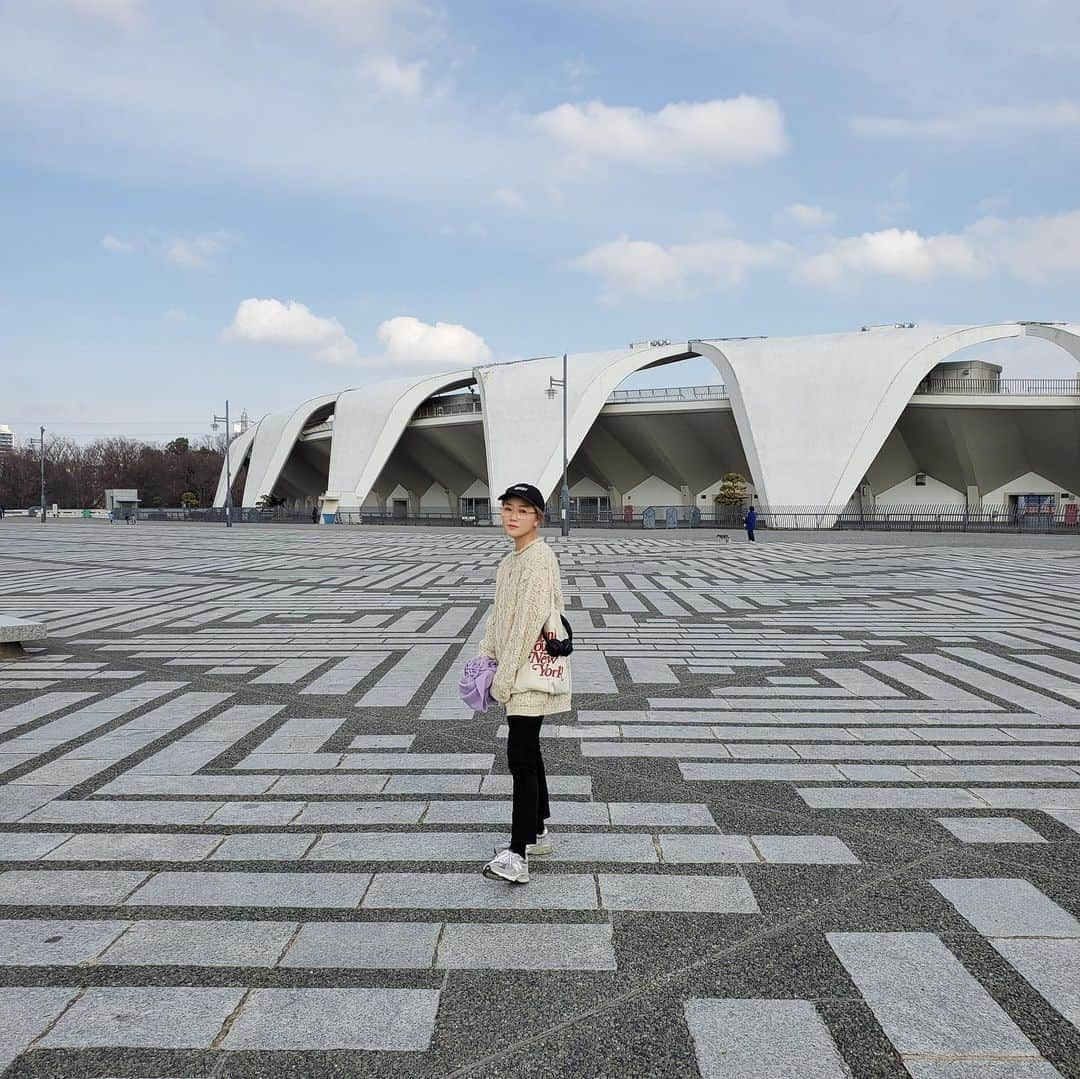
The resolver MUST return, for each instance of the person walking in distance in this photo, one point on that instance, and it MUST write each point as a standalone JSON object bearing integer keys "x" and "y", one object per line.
{"x": 527, "y": 590}
{"x": 750, "y": 523}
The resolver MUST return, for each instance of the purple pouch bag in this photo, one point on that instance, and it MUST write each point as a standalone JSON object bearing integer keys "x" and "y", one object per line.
{"x": 475, "y": 685}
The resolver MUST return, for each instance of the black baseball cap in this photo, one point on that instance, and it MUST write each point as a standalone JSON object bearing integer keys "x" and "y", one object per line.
{"x": 526, "y": 492}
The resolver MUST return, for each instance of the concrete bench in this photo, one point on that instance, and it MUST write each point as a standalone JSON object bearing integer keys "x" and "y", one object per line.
{"x": 14, "y": 631}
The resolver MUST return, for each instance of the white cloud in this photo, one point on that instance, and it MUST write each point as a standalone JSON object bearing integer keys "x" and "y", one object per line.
{"x": 408, "y": 343}
{"x": 291, "y": 324}
{"x": 808, "y": 216}
{"x": 393, "y": 79}
{"x": 411, "y": 343}
{"x": 900, "y": 253}
{"x": 637, "y": 268}
{"x": 1032, "y": 249}
{"x": 125, "y": 14}
{"x": 1040, "y": 118}
{"x": 737, "y": 131}
{"x": 508, "y": 197}
{"x": 198, "y": 252}
{"x": 116, "y": 245}
{"x": 365, "y": 23}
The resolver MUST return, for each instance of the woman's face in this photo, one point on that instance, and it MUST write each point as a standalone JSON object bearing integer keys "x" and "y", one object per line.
{"x": 519, "y": 518}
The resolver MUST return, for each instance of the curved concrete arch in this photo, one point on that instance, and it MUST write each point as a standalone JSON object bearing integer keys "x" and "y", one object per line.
{"x": 369, "y": 423}
{"x": 523, "y": 427}
{"x": 1064, "y": 335}
{"x": 899, "y": 393}
{"x": 239, "y": 448}
{"x": 813, "y": 412}
{"x": 268, "y": 458}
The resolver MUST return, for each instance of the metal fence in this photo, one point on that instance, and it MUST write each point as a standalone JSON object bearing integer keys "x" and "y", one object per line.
{"x": 1017, "y": 387}
{"x": 1063, "y": 517}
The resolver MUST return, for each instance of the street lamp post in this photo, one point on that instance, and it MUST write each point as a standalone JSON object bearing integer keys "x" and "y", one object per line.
{"x": 564, "y": 494}
{"x": 40, "y": 444}
{"x": 228, "y": 465}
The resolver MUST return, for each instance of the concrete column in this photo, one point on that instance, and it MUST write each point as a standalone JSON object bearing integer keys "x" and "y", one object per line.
{"x": 974, "y": 499}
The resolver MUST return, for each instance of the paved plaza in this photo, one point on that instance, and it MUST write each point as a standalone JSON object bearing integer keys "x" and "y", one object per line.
{"x": 817, "y": 810}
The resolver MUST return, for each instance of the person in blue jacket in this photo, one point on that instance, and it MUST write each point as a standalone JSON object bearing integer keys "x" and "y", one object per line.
{"x": 751, "y": 523}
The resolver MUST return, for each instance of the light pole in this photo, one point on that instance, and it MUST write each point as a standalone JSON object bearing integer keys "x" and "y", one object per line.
{"x": 40, "y": 444}
{"x": 228, "y": 470}
{"x": 564, "y": 494}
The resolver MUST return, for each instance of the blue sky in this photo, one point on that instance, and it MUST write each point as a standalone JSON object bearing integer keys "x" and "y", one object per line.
{"x": 271, "y": 199}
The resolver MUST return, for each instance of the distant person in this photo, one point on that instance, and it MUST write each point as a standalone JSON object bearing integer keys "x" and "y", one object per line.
{"x": 750, "y": 523}
{"x": 315, "y": 515}
{"x": 2, "y": 512}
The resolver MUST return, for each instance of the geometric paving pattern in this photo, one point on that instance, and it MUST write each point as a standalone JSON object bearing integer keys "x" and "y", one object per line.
{"x": 817, "y": 809}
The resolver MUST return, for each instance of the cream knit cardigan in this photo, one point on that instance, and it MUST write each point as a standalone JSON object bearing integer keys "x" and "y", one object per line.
{"x": 526, "y": 588}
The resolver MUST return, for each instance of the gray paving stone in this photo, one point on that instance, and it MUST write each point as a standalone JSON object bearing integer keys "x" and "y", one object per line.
{"x": 395, "y": 1020}
{"x": 49, "y": 943}
{"x": 24, "y": 1013}
{"x": 762, "y": 1039}
{"x": 200, "y": 944}
{"x": 144, "y": 1017}
{"x": 706, "y": 849}
{"x": 471, "y": 891}
{"x": 804, "y": 849}
{"x": 1007, "y": 907}
{"x": 990, "y": 830}
{"x": 416, "y": 762}
{"x": 134, "y": 847}
{"x": 668, "y": 892}
{"x": 340, "y": 784}
{"x": 29, "y": 846}
{"x": 365, "y": 945}
{"x": 1052, "y": 967}
{"x": 433, "y": 784}
{"x": 985, "y": 1068}
{"x": 67, "y": 887}
{"x": 361, "y": 813}
{"x": 760, "y": 773}
{"x": 924, "y": 999}
{"x": 227, "y": 889}
{"x": 101, "y": 812}
{"x": 889, "y": 798}
{"x": 257, "y": 813}
{"x": 264, "y": 847}
{"x": 529, "y": 947}
{"x": 683, "y": 814}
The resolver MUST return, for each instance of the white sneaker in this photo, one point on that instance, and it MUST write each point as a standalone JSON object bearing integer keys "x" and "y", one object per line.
{"x": 542, "y": 846}
{"x": 508, "y": 866}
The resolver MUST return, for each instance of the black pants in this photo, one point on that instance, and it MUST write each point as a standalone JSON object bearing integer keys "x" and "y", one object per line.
{"x": 531, "y": 807}
{"x": 750, "y": 534}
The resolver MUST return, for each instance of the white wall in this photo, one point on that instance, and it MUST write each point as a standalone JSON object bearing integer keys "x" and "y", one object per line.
{"x": 435, "y": 497}
{"x": 588, "y": 488}
{"x": 935, "y": 493}
{"x": 478, "y": 489}
{"x": 1031, "y": 483}
{"x": 653, "y": 492}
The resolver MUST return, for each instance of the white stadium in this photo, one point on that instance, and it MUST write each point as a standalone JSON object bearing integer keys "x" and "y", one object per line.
{"x": 870, "y": 420}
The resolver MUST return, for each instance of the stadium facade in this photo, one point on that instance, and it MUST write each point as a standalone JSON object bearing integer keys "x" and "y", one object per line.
{"x": 883, "y": 416}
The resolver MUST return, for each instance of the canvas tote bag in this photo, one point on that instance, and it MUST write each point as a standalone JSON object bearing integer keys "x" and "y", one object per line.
{"x": 541, "y": 673}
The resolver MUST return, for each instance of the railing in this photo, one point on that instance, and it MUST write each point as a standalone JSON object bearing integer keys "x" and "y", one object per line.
{"x": 669, "y": 393}
{"x": 451, "y": 406}
{"x": 1017, "y": 387}
{"x": 1062, "y": 518}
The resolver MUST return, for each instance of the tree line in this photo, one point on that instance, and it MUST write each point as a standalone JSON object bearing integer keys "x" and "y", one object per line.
{"x": 180, "y": 473}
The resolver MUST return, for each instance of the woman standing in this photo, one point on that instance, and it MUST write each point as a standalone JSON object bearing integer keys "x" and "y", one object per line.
{"x": 527, "y": 589}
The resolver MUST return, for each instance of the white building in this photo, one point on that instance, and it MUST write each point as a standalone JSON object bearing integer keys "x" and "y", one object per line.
{"x": 7, "y": 438}
{"x": 882, "y": 416}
